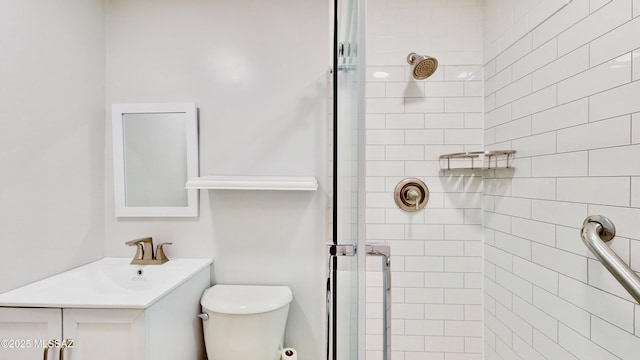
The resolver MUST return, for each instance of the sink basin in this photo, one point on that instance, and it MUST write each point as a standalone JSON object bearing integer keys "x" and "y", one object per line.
{"x": 106, "y": 283}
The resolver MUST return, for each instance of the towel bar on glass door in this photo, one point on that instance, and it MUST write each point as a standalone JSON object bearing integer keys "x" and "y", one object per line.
{"x": 596, "y": 231}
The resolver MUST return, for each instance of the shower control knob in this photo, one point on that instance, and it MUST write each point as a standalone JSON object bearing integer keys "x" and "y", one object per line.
{"x": 411, "y": 194}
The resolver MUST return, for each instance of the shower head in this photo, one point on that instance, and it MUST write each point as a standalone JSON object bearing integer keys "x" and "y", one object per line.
{"x": 423, "y": 65}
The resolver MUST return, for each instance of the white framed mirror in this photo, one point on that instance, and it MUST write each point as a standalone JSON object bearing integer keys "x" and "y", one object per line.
{"x": 155, "y": 151}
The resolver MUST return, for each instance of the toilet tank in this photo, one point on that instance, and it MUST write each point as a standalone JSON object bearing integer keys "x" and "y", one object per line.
{"x": 245, "y": 321}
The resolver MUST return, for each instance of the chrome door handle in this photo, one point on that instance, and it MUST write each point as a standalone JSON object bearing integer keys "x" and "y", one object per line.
{"x": 384, "y": 251}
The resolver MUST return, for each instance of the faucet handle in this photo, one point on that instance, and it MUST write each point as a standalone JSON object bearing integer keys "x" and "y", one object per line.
{"x": 143, "y": 251}
{"x": 160, "y": 255}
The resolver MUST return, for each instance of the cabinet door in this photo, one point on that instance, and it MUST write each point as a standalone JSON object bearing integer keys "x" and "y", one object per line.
{"x": 25, "y": 332}
{"x": 104, "y": 334}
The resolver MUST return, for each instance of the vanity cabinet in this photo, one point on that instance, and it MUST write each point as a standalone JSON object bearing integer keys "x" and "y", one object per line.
{"x": 103, "y": 334}
{"x": 94, "y": 334}
{"x": 25, "y": 331}
{"x": 124, "y": 324}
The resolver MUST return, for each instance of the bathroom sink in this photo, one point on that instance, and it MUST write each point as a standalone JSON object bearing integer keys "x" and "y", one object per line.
{"x": 106, "y": 283}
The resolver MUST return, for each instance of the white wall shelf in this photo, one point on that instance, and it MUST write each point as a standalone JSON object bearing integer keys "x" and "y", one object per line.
{"x": 224, "y": 182}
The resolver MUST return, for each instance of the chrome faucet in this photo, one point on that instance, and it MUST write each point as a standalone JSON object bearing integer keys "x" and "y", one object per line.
{"x": 144, "y": 252}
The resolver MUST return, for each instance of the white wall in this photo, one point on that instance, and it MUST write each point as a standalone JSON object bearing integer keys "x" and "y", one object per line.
{"x": 436, "y": 253}
{"x": 52, "y": 134}
{"x": 566, "y": 97}
{"x": 259, "y": 74}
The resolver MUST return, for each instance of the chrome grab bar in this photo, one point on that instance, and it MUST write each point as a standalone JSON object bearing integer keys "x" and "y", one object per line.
{"x": 596, "y": 231}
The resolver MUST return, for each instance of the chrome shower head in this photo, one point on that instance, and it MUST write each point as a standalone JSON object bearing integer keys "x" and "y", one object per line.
{"x": 423, "y": 65}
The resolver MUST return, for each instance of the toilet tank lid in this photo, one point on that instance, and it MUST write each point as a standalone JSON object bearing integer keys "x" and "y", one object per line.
{"x": 245, "y": 299}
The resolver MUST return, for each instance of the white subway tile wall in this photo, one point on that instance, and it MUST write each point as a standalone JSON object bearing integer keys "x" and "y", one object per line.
{"x": 437, "y": 252}
{"x": 507, "y": 22}
{"x": 566, "y": 97}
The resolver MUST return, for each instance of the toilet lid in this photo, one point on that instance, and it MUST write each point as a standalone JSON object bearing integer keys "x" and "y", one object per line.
{"x": 245, "y": 299}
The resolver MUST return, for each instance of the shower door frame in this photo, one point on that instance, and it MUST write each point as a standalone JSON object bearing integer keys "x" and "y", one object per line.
{"x": 340, "y": 245}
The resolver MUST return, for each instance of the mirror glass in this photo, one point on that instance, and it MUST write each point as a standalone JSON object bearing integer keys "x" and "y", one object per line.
{"x": 155, "y": 152}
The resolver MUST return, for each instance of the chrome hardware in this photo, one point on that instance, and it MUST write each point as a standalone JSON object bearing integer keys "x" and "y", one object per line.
{"x": 145, "y": 254}
{"x": 380, "y": 250}
{"x": 411, "y": 194}
{"x": 596, "y": 231}
{"x": 342, "y": 250}
{"x": 204, "y": 316}
{"x": 347, "y": 49}
{"x": 488, "y": 155}
{"x": 607, "y": 231}
{"x": 384, "y": 251}
{"x": 46, "y": 353}
{"x": 62, "y": 352}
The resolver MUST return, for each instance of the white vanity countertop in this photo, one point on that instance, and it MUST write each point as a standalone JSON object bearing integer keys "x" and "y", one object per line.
{"x": 106, "y": 283}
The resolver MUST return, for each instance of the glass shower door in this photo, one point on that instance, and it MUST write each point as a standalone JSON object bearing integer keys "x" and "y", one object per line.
{"x": 342, "y": 279}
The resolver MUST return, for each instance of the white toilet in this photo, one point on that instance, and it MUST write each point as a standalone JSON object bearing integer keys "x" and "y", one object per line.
{"x": 244, "y": 321}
